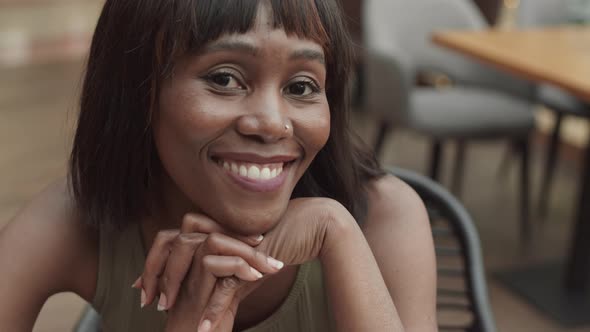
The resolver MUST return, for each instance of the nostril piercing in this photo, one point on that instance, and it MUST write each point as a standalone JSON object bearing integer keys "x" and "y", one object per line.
{"x": 286, "y": 127}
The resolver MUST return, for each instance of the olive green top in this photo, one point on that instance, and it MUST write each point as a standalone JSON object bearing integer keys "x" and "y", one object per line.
{"x": 121, "y": 260}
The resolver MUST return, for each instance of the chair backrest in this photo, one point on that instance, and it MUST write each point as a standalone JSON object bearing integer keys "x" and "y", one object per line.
{"x": 411, "y": 24}
{"x": 533, "y": 13}
{"x": 462, "y": 300}
{"x": 388, "y": 80}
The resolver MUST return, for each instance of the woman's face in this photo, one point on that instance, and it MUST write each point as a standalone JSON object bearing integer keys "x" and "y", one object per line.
{"x": 239, "y": 123}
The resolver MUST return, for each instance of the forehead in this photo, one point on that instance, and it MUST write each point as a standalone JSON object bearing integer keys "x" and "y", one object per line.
{"x": 264, "y": 32}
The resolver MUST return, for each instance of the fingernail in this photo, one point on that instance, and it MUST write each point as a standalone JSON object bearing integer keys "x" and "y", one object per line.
{"x": 275, "y": 263}
{"x": 256, "y": 273}
{"x": 143, "y": 298}
{"x": 162, "y": 302}
{"x": 136, "y": 283}
{"x": 205, "y": 326}
{"x": 257, "y": 238}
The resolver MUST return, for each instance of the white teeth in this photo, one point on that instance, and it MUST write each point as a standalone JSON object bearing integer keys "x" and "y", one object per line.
{"x": 254, "y": 172}
{"x": 243, "y": 171}
{"x": 265, "y": 173}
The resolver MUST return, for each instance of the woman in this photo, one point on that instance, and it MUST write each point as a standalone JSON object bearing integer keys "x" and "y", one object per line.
{"x": 212, "y": 159}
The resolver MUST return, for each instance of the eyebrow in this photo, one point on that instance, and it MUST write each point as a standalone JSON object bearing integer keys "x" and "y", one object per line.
{"x": 244, "y": 47}
{"x": 239, "y": 46}
{"x": 308, "y": 54}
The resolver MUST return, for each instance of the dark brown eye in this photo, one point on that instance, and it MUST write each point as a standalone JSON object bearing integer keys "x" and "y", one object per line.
{"x": 302, "y": 88}
{"x": 221, "y": 79}
{"x": 298, "y": 89}
{"x": 225, "y": 80}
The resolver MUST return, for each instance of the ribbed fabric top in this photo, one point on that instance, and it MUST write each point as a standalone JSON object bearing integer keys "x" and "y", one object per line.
{"x": 121, "y": 260}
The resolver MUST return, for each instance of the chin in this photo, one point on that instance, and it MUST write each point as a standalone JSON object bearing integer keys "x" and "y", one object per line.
{"x": 253, "y": 221}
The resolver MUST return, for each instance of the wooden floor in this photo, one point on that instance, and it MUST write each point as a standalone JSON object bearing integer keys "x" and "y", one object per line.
{"x": 38, "y": 109}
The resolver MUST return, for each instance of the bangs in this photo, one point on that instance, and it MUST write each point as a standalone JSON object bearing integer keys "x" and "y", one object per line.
{"x": 192, "y": 24}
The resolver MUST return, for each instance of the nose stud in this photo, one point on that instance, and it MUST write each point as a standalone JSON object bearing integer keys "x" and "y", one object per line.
{"x": 287, "y": 127}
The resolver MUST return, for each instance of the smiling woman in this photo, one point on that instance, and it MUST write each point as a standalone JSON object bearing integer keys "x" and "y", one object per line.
{"x": 213, "y": 168}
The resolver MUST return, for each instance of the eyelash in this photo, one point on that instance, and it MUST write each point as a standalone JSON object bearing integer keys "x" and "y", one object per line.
{"x": 315, "y": 88}
{"x": 211, "y": 77}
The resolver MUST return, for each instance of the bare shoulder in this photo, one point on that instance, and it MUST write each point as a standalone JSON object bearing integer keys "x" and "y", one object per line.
{"x": 44, "y": 250}
{"x": 391, "y": 200}
{"x": 398, "y": 231}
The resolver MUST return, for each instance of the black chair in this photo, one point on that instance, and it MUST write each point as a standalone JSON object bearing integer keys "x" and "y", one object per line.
{"x": 462, "y": 298}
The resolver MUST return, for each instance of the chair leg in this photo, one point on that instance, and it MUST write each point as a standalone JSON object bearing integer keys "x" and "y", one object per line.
{"x": 505, "y": 163}
{"x": 549, "y": 170}
{"x": 525, "y": 222}
{"x": 435, "y": 156}
{"x": 382, "y": 131}
{"x": 459, "y": 169}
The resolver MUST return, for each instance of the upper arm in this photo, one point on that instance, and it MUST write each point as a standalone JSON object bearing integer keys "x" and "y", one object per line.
{"x": 44, "y": 250}
{"x": 398, "y": 230}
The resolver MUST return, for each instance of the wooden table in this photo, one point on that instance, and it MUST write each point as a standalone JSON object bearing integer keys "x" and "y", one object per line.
{"x": 560, "y": 56}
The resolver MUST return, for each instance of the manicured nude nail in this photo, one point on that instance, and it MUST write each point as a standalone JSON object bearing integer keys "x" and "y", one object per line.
{"x": 162, "y": 302}
{"x": 136, "y": 283}
{"x": 143, "y": 298}
{"x": 257, "y": 238}
{"x": 205, "y": 326}
{"x": 275, "y": 263}
{"x": 256, "y": 273}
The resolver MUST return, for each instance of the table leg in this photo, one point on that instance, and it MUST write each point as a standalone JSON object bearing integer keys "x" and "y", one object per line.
{"x": 578, "y": 269}
{"x": 561, "y": 289}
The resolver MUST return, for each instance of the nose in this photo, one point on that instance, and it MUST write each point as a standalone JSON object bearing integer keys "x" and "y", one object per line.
{"x": 265, "y": 119}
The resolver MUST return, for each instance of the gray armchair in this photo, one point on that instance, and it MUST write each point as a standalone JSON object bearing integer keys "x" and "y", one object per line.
{"x": 533, "y": 13}
{"x": 482, "y": 104}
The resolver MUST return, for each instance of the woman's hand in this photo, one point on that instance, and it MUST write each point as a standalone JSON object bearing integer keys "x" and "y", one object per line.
{"x": 200, "y": 267}
{"x": 297, "y": 238}
{"x": 300, "y": 235}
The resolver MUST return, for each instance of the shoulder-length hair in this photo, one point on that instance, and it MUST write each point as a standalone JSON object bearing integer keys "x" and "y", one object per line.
{"x": 114, "y": 165}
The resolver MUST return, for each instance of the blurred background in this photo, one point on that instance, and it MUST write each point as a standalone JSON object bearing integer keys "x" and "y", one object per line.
{"x": 43, "y": 45}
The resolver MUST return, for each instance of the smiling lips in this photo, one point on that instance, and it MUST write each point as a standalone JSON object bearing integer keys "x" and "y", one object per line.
{"x": 253, "y": 171}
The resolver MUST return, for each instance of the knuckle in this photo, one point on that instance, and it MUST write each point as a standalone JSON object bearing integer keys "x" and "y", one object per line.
{"x": 228, "y": 285}
{"x": 213, "y": 242}
{"x": 188, "y": 222}
{"x": 165, "y": 235}
{"x": 214, "y": 311}
{"x": 160, "y": 237}
{"x": 183, "y": 241}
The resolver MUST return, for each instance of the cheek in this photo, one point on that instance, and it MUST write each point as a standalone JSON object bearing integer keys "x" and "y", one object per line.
{"x": 315, "y": 129}
{"x": 188, "y": 119}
